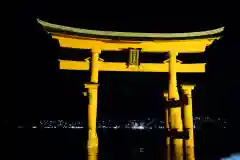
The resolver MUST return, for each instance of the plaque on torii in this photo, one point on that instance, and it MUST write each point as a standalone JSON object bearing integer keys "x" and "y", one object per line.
{"x": 133, "y": 60}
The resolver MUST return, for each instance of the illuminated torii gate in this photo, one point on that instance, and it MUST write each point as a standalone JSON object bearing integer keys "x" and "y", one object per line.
{"x": 172, "y": 43}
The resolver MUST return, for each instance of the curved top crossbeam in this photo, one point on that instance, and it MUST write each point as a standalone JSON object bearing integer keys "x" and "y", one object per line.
{"x": 73, "y": 30}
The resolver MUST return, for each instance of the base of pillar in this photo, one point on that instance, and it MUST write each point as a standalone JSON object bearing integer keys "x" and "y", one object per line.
{"x": 168, "y": 152}
{"x": 168, "y": 141}
{"x": 93, "y": 152}
{"x": 189, "y": 151}
{"x": 92, "y": 142}
{"x": 178, "y": 151}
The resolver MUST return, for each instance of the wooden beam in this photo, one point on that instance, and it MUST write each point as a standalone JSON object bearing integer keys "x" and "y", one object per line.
{"x": 184, "y": 46}
{"x": 122, "y": 67}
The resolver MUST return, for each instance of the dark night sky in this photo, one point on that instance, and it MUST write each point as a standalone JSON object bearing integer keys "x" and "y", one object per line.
{"x": 130, "y": 21}
{"x": 44, "y": 94}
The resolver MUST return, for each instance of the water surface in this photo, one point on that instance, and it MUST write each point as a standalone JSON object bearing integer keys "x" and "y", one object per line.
{"x": 117, "y": 144}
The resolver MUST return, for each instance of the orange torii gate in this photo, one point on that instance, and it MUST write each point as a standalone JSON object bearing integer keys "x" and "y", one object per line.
{"x": 137, "y": 43}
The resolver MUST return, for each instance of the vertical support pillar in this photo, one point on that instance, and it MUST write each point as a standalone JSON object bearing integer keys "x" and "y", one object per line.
{"x": 166, "y": 127}
{"x": 166, "y": 123}
{"x": 94, "y": 64}
{"x": 93, "y": 154}
{"x": 92, "y": 87}
{"x": 173, "y": 92}
{"x": 175, "y": 112}
{"x": 188, "y": 121}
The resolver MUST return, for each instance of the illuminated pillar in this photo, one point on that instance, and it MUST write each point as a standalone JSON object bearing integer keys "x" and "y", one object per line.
{"x": 175, "y": 112}
{"x": 93, "y": 154}
{"x": 166, "y": 126}
{"x": 94, "y": 64}
{"x": 188, "y": 121}
{"x": 173, "y": 91}
{"x": 93, "y": 98}
{"x": 166, "y": 123}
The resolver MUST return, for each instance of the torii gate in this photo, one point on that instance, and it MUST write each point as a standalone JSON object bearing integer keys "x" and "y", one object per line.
{"x": 137, "y": 43}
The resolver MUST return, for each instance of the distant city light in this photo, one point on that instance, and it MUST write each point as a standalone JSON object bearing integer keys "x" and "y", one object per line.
{"x": 137, "y": 127}
{"x": 130, "y": 124}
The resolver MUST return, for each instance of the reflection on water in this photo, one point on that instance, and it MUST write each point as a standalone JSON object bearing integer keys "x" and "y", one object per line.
{"x": 187, "y": 154}
{"x": 118, "y": 145}
{"x": 93, "y": 154}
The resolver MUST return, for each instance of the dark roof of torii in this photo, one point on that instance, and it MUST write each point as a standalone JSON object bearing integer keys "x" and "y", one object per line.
{"x": 137, "y": 24}
{"x": 72, "y": 31}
